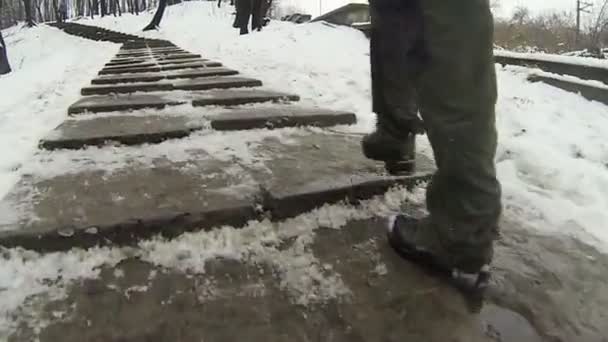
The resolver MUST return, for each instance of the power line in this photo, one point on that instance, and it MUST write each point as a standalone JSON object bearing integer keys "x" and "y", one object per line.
{"x": 581, "y": 7}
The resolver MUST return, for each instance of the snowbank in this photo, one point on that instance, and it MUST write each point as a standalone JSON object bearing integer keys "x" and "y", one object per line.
{"x": 584, "y": 61}
{"x": 49, "y": 68}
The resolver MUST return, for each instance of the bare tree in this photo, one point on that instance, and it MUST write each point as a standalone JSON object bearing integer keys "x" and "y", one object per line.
{"x": 158, "y": 16}
{"x": 29, "y": 20}
{"x": 37, "y": 4}
{"x": 521, "y": 15}
{"x": 5, "y": 66}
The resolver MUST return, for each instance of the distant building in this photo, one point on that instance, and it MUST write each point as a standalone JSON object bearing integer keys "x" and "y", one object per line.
{"x": 346, "y": 15}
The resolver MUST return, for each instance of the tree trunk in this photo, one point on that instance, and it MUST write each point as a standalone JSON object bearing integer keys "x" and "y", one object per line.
{"x": 256, "y": 15}
{"x": 19, "y": 10}
{"x": 40, "y": 16}
{"x": 243, "y": 13}
{"x": 91, "y": 12}
{"x": 158, "y": 16}
{"x": 56, "y": 11}
{"x": 5, "y": 67}
{"x": 27, "y": 5}
{"x": 118, "y": 7}
{"x": 102, "y": 4}
{"x": 136, "y": 6}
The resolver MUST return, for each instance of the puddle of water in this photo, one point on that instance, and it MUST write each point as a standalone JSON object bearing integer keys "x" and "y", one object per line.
{"x": 503, "y": 325}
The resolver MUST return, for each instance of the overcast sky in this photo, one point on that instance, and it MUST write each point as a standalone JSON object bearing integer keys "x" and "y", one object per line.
{"x": 537, "y": 6}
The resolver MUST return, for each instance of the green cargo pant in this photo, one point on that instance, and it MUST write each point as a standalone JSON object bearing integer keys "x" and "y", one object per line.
{"x": 435, "y": 57}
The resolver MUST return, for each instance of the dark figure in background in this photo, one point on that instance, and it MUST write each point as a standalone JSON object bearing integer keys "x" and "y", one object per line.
{"x": 257, "y": 17}
{"x": 5, "y": 66}
{"x": 435, "y": 57}
{"x": 63, "y": 11}
{"x": 249, "y": 9}
{"x": 243, "y": 13}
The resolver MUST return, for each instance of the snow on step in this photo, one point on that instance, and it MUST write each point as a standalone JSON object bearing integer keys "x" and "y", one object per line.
{"x": 119, "y": 195}
{"x": 142, "y": 129}
{"x": 173, "y": 51}
{"x": 240, "y": 97}
{"x": 126, "y": 88}
{"x": 279, "y": 117}
{"x": 189, "y": 84}
{"x": 151, "y": 62}
{"x": 155, "y": 68}
{"x": 138, "y": 64}
{"x": 588, "y": 90}
{"x": 219, "y": 97}
{"x": 166, "y": 57}
{"x": 123, "y": 129}
{"x": 174, "y": 74}
{"x": 215, "y": 83}
{"x": 108, "y": 103}
{"x": 159, "y": 49}
{"x": 89, "y": 207}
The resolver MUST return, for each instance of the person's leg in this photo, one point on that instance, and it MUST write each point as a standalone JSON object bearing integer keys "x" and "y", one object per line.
{"x": 256, "y": 15}
{"x": 396, "y": 58}
{"x": 237, "y": 19}
{"x": 243, "y": 14}
{"x": 457, "y": 100}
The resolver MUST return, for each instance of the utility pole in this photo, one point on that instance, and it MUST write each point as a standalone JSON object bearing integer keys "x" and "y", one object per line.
{"x": 581, "y": 7}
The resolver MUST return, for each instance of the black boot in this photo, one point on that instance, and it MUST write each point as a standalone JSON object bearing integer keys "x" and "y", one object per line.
{"x": 418, "y": 241}
{"x": 398, "y": 152}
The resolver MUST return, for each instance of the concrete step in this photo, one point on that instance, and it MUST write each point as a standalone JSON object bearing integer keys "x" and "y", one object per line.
{"x": 157, "y": 68}
{"x": 151, "y": 129}
{"x": 235, "y": 97}
{"x": 157, "y": 76}
{"x": 220, "y": 97}
{"x": 188, "y": 84}
{"x": 133, "y": 201}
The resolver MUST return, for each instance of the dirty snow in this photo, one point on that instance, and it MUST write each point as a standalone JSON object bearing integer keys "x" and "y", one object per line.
{"x": 25, "y": 274}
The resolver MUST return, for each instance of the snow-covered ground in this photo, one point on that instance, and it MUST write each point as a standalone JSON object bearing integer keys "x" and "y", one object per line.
{"x": 49, "y": 68}
{"x": 552, "y": 158}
